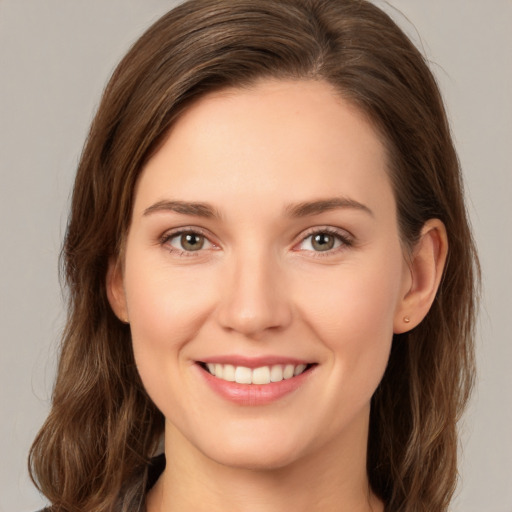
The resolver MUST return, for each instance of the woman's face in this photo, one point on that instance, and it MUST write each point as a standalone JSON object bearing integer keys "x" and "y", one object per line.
{"x": 264, "y": 238}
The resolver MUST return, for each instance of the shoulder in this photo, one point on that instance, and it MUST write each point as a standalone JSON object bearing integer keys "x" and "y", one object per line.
{"x": 155, "y": 469}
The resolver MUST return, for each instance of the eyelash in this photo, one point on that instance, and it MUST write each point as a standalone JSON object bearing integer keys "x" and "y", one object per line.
{"x": 346, "y": 240}
{"x": 167, "y": 237}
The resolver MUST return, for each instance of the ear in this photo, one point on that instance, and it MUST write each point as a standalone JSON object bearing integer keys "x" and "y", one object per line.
{"x": 426, "y": 267}
{"x": 115, "y": 290}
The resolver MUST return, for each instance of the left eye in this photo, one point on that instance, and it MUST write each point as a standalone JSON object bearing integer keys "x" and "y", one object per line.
{"x": 189, "y": 241}
{"x": 321, "y": 242}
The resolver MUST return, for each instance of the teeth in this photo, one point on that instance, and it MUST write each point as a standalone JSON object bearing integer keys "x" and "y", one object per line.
{"x": 276, "y": 373}
{"x": 229, "y": 373}
{"x": 299, "y": 369}
{"x": 243, "y": 375}
{"x": 261, "y": 375}
{"x": 288, "y": 371}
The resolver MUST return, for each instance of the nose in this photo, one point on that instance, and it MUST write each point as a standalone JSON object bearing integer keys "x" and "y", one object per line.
{"x": 254, "y": 299}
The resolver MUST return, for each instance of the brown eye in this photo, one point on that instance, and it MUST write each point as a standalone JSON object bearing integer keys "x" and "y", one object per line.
{"x": 191, "y": 241}
{"x": 322, "y": 241}
{"x": 188, "y": 241}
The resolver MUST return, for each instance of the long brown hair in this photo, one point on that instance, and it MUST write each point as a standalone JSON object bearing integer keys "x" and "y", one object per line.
{"x": 92, "y": 452}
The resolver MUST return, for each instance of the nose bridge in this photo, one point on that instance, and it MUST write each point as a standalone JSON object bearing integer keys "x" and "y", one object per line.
{"x": 254, "y": 296}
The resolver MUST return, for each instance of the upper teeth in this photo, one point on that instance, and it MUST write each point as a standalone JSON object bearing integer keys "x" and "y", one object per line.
{"x": 261, "y": 375}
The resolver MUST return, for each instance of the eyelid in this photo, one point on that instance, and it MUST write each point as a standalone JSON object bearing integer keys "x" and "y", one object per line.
{"x": 345, "y": 237}
{"x": 175, "y": 232}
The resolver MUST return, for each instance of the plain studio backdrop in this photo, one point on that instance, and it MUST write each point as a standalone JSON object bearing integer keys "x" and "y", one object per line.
{"x": 55, "y": 58}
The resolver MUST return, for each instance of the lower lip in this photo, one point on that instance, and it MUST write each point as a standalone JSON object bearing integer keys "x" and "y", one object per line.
{"x": 254, "y": 394}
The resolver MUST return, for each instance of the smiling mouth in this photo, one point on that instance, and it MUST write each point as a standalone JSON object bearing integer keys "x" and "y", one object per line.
{"x": 260, "y": 375}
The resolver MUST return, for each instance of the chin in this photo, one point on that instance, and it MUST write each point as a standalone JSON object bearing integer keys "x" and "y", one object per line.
{"x": 254, "y": 460}
{"x": 258, "y": 453}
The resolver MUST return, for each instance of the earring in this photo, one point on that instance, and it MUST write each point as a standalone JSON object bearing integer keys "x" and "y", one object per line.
{"x": 407, "y": 319}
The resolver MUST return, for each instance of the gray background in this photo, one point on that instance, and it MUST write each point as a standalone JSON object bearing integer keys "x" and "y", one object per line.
{"x": 55, "y": 57}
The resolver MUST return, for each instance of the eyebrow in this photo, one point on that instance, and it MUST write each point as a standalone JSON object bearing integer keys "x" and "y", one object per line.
{"x": 323, "y": 205}
{"x": 185, "y": 208}
{"x": 302, "y": 209}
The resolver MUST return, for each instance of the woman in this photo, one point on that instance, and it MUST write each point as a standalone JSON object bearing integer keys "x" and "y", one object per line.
{"x": 270, "y": 268}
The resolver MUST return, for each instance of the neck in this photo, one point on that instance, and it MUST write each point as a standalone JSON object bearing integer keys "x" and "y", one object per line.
{"x": 331, "y": 479}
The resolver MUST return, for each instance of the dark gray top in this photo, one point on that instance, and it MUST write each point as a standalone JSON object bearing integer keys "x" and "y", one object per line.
{"x": 155, "y": 469}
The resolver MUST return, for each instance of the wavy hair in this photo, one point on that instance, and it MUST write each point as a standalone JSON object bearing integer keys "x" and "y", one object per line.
{"x": 92, "y": 452}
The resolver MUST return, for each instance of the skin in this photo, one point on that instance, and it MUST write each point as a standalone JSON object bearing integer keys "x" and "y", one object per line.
{"x": 259, "y": 286}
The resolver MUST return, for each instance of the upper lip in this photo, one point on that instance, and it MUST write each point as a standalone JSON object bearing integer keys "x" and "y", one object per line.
{"x": 254, "y": 362}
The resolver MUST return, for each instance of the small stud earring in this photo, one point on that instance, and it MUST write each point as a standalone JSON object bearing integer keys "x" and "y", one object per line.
{"x": 407, "y": 319}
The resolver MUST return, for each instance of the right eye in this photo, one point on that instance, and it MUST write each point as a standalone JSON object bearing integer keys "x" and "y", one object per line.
{"x": 187, "y": 241}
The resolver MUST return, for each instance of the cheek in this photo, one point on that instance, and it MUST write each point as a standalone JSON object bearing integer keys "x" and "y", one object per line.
{"x": 351, "y": 312}
{"x": 166, "y": 308}
{"x": 163, "y": 300}
{"x": 352, "y": 300}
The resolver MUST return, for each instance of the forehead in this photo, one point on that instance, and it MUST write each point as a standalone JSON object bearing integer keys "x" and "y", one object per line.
{"x": 277, "y": 140}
